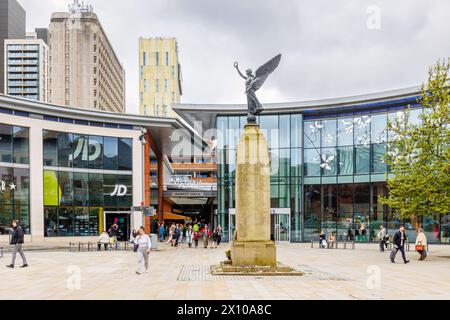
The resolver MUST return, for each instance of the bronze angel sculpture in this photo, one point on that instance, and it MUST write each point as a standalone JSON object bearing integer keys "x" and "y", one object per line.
{"x": 254, "y": 82}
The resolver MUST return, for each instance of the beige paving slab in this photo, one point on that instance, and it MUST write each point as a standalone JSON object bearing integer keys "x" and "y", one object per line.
{"x": 363, "y": 273}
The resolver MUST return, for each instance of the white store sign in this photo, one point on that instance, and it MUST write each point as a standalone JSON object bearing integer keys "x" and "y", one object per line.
{"x": 4, "y": 187}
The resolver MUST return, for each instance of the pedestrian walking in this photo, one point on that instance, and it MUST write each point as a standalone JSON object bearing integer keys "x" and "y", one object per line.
{"x": 162, "y": 232}
{"x": 206, "y": 234}
{"x": 133, "y": 237}
{"x": 113, "y": 233}
{"x": 382, "y": 236}
{"x": 171, "y": 230}
{"x": 421, "y": 244}
{"x": 219, "y": 235}
{"x": 196, "y": 238}
{"x": 214, "y": 237}
{"x": 196, "y": 228}
{"x": 175, "y": 236}
{"x": 143, "y": 250}
{"x": 103, "y": 239}
{"x": 180, "y": 236}
{"x": 17, "y": 240}
{"x": 399, "y": 244}
{"x": 190, "y": 236}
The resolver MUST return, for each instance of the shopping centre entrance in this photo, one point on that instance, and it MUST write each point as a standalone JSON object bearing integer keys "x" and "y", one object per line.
{"x": 122, "y": 219}
{"x": 280, "y": 227}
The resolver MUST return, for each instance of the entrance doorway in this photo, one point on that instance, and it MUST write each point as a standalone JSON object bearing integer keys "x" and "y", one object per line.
{"x": 122, "y": 219}
{"x": 280, "y": 224}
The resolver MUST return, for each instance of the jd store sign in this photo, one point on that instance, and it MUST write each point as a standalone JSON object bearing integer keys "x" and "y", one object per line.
{"x": 119, "y": 191}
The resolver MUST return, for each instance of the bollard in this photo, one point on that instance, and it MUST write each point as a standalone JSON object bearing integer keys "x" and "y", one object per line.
{"x": 353, "y": 245}
{"x": 312, "y": 244}
{"x": 345, "y": 245}
{"x": 71, "y": 245}
{"x": 1, "y": 252}
{"x": 337, "y": 245}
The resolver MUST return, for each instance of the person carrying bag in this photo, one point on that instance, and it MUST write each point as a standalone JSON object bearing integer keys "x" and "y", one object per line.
{"x": 421, "y": 244}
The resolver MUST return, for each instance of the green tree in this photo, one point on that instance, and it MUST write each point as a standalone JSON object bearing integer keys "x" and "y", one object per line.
{"x": 419, "y": 155}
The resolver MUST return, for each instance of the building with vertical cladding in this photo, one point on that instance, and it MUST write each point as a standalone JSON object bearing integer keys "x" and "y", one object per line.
{"x": 159, "y": 76}
{"x": 26, "y": 71}
{"x": 85, "y": 71}
{"x": 12, "y": 26}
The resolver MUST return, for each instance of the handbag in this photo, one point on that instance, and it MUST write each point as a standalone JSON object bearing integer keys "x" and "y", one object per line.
{"x": 420, "y": 247}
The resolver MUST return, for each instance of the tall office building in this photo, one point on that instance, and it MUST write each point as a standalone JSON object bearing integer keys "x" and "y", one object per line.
{"x": 159, "y": 76}
{"x": 84, "y": 69}
{"x": 26, "y": 71}
{"x": 12, "y": 26}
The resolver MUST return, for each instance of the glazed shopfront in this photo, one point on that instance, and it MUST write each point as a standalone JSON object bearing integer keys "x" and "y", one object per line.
{"x": 87, "y": 184}
{"x": 14, "y": 177}
{"x": 327, "y": 168}
{"x": 69, "y": 173}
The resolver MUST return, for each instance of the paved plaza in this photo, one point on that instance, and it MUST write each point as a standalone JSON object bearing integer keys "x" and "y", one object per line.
{"x": 183, "y": 273}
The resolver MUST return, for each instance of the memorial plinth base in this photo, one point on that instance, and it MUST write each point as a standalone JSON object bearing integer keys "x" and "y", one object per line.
{"x": 254, "y": 253}
{"x": 231, "y": 270}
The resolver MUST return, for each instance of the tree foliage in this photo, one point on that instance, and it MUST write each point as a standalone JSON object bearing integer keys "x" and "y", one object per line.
{"x": 419, "y": 156}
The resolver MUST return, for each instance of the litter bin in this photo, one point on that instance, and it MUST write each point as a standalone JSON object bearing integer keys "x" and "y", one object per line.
{"x": 154, "y": 241}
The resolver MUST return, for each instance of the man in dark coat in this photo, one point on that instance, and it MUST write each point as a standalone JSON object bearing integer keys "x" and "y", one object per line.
{"x": 399, "y": 244}
{"x": 17, "y": 240}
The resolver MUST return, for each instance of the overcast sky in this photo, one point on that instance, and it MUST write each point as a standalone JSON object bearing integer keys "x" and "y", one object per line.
{"x": 330, "y": 48}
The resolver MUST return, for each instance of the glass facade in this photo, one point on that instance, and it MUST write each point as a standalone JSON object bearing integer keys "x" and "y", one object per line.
{"x": 14, "y": 177}
{"x": 84, "y": 176}
{"x": 328, "y": 170}
{"x": 284, "y": 133}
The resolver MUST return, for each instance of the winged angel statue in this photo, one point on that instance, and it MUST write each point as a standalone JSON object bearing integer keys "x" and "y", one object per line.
{"x": 253, "y": 82}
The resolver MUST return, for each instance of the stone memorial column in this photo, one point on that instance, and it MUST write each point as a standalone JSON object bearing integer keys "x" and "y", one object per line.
{"x": 253, "y": 246}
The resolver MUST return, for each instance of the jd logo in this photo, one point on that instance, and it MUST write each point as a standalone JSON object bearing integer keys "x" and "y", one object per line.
{"x": 82, "y": 149}
{"x": 119, "y": 190}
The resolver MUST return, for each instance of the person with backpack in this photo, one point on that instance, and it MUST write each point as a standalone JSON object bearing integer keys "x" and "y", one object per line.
{"x": 17, "y": 240}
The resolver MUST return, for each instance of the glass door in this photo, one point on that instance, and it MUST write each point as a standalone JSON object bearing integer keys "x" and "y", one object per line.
{"x": 280, "y": 224}
{"x": 280, "y": 227}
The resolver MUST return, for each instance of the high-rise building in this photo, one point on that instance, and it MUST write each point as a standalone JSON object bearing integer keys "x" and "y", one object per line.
{"x": 159, "y": 76}
{"x": 12, "y": 26}
{"x": 84, "y": 69}
{"x": 26, "y": 71}
{"x": 42, "y": 33}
